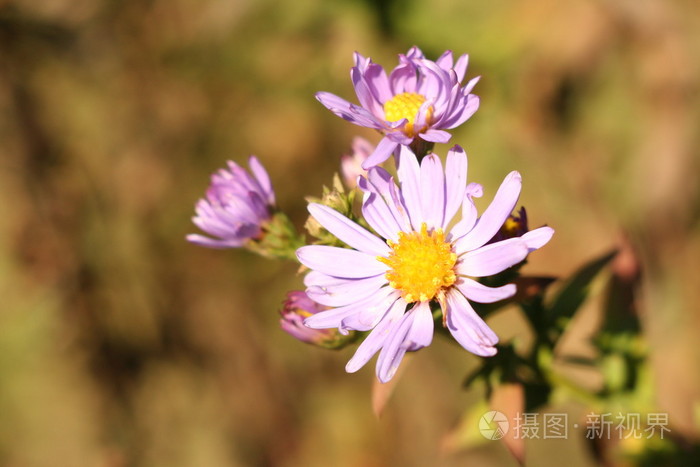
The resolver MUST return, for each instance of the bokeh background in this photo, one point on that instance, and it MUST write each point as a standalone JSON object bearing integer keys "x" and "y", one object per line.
{"x": 122, "y": 345}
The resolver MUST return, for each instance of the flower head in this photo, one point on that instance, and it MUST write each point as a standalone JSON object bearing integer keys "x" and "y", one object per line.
{"x": 297, "y": 307}
{"x": 419, "y": 99}
{"x": 236, "y": 206}
{"x": 386, "y": 283}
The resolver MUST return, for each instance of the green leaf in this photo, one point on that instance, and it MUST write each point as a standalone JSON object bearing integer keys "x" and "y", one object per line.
{"x": 574, "y": 292}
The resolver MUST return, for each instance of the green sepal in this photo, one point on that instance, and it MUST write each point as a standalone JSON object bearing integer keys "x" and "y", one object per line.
{"x": 280, "y": 239}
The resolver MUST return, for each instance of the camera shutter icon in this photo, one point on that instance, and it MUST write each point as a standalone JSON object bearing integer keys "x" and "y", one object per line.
{"x": 493, "y": 425}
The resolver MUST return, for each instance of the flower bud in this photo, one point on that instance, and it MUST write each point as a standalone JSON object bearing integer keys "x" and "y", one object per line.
{"x": 296, "y": 308}
{"x": 514, "y": 226}
{"x": 336, "y": 198}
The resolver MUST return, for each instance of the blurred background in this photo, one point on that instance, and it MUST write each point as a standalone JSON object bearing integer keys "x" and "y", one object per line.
{"x": 123, "y": 345}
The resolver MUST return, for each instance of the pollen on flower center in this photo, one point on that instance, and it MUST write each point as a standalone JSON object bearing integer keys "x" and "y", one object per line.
{"x": 422, "y": 263}
{"x": 406, "y": 105}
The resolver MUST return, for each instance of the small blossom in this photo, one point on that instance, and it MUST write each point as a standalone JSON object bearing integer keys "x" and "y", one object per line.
{"x": 297, "y": 307}
{"x": 236, "y": 207}
{"x": 351, "y": 164}
{"x": 417, "y": 101}
{"x": 386, "y": 284}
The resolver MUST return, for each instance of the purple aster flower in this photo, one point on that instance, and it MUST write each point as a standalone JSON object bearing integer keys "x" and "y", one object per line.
{"x": 420, "y": 98}
{"x": 385, "y": 283}
{"x": 236, "y": 206}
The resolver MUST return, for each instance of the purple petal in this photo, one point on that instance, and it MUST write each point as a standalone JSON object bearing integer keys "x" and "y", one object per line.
{"x": 430, "y": 85}
{"x": 495, "y": 215}
{"x": 235, "y": 220}
{"x": 348, "y": 231}
{"x": 455, "y": 182}
{"x": 382, "y": 206}
{"x": 378, "y": 215}
{"x": 350, "y": 112}
{"x": 469, "y": 212}
{"x": 538, "y": 238}
{"x": 420, "y": 121}
{"x": 469, "y": 106}
{"x": 401, "y": 210}
{"x": 382, "y": 183}
{"x": 392, "y": 352}
{"x": 435, "y": 136}
{"x": 364, "y": 94}
{"x": 220, "y": 227}
{"x": 492, "y": 258}
{"x": 435, "y": 82}
{"x": 414, "y": 53}
{"x": 369, "y": 317}
{"x": 450, "y": 107}
{"x": 333, "y": 318}
{"x": 232, "y": 209}
{"x": 401, "y": 340}
{"x": 380, "y": 180}
{"x": 399, "y": 136}
{"x": 408, "y": 172}
{"x": 461, "y": 67}
{"x": 377, "y": 338}
{"x": 470, "y": 85}
{"x": 378, "y": 83}
{"x": 467, "y": 327}
{"x": 340, "y": 262}
{"x": 381, "y": 153}
{"x": 331, "y": 101}
{"x": 346, "y": 293}
{"x": 319, "y": 279}
{"x": 480, "y": 293}
{"x": 259, "y": 205}
{"x": 421, "y": 333}
{"x": 432, "y": 191}
{"x": 361, "y": 61}
{"x": 445, "y": 61}
{"x": 403, "y": 79}
{"x": 263, "y": 179}
{"x": 212, "y": 243}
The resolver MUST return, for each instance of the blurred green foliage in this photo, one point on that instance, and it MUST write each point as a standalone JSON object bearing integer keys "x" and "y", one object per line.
{"x": 122, "y": 345}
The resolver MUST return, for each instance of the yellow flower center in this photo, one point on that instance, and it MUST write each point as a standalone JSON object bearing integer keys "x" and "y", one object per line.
{"x": 302, "y": 313}
{"x": 406, "y": 105}
{"x": 510, "y": 226}
{"x": 422, "y": 263}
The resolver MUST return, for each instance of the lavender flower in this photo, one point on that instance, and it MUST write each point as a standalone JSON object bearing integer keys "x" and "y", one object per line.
{"x": 418, "y": 99}
{"x": 236, "y": 206}
{"x": 388, "y": 286}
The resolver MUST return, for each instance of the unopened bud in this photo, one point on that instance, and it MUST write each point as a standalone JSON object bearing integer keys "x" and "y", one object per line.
{"x": 335, "y": 198}
{"x": 514, "y": 226}
{"x": 297, "y": 307}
